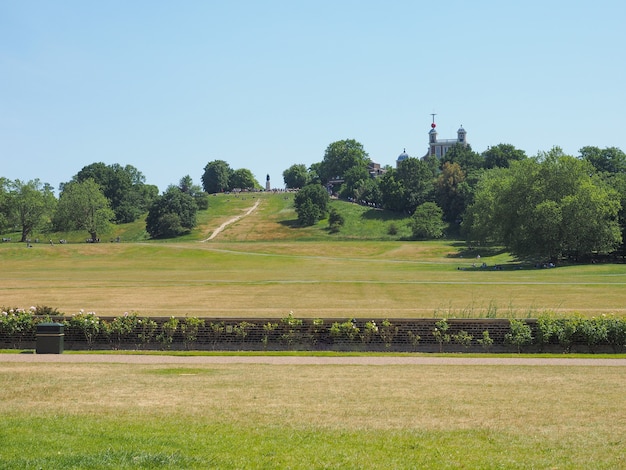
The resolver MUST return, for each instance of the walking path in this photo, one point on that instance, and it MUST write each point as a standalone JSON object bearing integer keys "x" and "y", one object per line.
{"x": 231, "y": 221}
{"x": 308, "y": 360}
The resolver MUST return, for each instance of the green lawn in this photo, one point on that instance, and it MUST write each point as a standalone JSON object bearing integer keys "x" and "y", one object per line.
{"x": 264, "y": 265}
{"x": 287, "y": 416}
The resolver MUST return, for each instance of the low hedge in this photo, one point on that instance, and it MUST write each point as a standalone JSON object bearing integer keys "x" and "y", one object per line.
{"x": 547, "y": 333}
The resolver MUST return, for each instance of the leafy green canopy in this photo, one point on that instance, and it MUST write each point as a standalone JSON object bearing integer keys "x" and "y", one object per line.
{"x": 123, "y": 186}
{"x": 172, "y": 214}
{"x": 546, "y": 207}
{"x": 311, "y": 204}
{"x": 83, "y": 206}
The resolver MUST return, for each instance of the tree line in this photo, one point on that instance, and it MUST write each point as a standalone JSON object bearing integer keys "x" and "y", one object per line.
{"x": 543, "y": 207}
{"x": 101, "y": 195}
{"x": 547, "y": 206}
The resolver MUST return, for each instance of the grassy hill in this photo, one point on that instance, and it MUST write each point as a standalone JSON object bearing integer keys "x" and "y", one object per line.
{"x": 264, "y": 265}
{"x": 274, "y": 219}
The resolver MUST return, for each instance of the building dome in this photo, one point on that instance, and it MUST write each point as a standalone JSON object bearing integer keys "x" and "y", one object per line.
{"x": 402, "y": 156}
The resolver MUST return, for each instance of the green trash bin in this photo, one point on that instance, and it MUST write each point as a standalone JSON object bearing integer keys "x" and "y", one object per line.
{"x": 49, "y": 338}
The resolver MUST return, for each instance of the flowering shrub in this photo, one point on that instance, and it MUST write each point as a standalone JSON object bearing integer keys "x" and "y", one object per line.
{"x": 120, "y": 328}
{"x": 168, "y": 329}
{"x": 146, "y": 331}
{"x": 87, "y": 324}
{"x": 370, "y": 330}
{"x": 441, "y": 333}
{"x": 346, "y": 331}
{"x": 16, "y": 323}
{"x": 316, "y": 331}
{"x": 388, "y": 332}
{"x": 17, "y": 326}
{"x": 292, "y": 329}
{"x": 189, "y": 329}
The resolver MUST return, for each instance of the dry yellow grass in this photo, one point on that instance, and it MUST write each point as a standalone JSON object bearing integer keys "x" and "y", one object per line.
{"x": 545, "y": 402}
{"x": 343, "y": 279}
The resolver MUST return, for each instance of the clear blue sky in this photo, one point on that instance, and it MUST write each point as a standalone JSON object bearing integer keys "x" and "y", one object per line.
{"x": 168, "y": 86}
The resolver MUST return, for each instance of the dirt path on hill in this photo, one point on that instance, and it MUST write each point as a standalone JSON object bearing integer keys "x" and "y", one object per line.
{"x": 217, "y": 231}
{"x": 307, "y": 360}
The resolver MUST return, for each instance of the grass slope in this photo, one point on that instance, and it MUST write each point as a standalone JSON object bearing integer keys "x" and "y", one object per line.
{"x": 264, "y": 265}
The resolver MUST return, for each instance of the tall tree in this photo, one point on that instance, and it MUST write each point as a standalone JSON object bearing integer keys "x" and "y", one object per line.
{"x": 31, "y": 205}
{"x": 467, "y": 159}
{"x": 501, "y": 156}
{"x": 608, "y": 160}
{"x": 311, "y": 203}
{"x": 172, "y": 214}
{"x": 83, "y": 206}
{"x": 427, "y": 221}
{"x": 296, "y": 176}
{"x": 123, "y": 186}
{"x": 546, "y": 207}
{"x": 417, "y": 181}
{"x": 242, "y": 178}
{"x": 340, "y": 156}
{"x": 4, "y": 204}
{"x": 354, "y": 178}
{"x": 215, "y": 177}
{"x": 187, "y": 186}
{"x": 451, "y": 191}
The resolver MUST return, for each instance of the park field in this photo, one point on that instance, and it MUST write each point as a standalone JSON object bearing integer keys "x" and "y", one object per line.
{"x": 261, "y": 265}
{"x": 234, "y": 416}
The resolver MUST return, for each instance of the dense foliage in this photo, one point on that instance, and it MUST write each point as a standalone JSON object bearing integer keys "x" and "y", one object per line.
{"x": 547, "y": 207}
{"x": 547, "y": 332}
{"x": 124, "y": 187}
{"x": 83, "y": 206}
{"x": 172, "y": 214}
{"x": 219, "y": 177}
{"x": 311, "y": 204}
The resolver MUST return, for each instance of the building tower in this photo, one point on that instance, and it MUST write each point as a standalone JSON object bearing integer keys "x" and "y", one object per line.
{"x": 439, "y": 147}
{"x": 461, "y": 134}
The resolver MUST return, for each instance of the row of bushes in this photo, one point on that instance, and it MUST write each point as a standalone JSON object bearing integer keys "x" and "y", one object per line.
{"x": 130, "y": 331}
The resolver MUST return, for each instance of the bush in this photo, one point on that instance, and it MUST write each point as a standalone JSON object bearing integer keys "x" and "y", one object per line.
{"x": 520, "y": 334}
{"x": 120, "y": 328}
{"x": 345, "y": 332}
{"x": 16, "y": 324}
{"x": 615, "y": 332}
{"x": 168, "y": 329}
{"x": 463, "y": 338}
{"x": 189, "y": 329}
{"x": 593, "y": 331}
{"x": 242, "y": 330}
{"x": 370, "y": 330}
{"x": 427, "y": 221}
{"x": 292, "y": 330}
{"x": 547, "y": 328}
{"x": 146, "y": 328}
{"x": 486, "y": 341}
{"x": 311, "y": 204}
{"x": 335, "y": 221}
{"x": 388, "y": 332}
{"x": 441, "y": 333}
{"x": 86, "y": 324}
